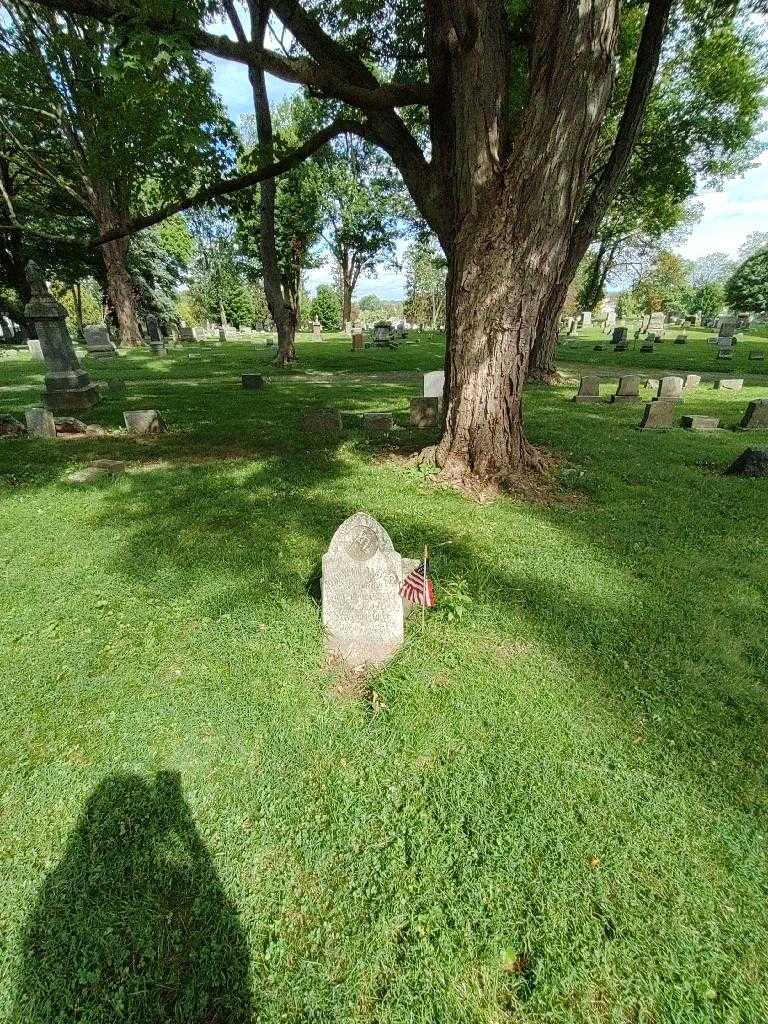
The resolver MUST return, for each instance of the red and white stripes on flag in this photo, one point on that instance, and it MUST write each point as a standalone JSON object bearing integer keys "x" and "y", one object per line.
{"x": 417, "y": 586}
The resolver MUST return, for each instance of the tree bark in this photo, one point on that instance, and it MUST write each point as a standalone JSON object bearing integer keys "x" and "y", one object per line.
{"x": 513, "y": 212}
{"x": 284, "y": 316}
{"x": 121, "y": 293}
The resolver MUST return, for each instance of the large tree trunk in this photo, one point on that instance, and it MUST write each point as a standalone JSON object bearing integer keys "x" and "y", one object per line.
{"x": 121, "y": 292}
{"x": 346, "y": 301}
{"x": 513, "y": 212}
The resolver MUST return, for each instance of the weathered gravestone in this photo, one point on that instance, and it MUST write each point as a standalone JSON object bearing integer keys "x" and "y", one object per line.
{"x": 756, "y": 356}
{"x": 424, "y": 412}
{"x": 434, "y": 383}
{"x": 756, "y": 416}
{"x": 317, "y": 329}
{"x": 40, "y": 423}
{"x": 144, "y": 421}
{"x": 692, "y": 380}
{"x": 357, "y": 338}
{"x": 11, "y": 427}
{"x": 681, "y": 339}
{"x": 319, "y": 420}
{"x": 383, "y": 334}
{"x": 252, "y": 381}
{"x": 701, "y": 423}
{"x": 363, "y": 612}
{"x": 98, "y": 341}
{"x": 187, "y": 333}
{"x": 659, "y": 415}
{"x": 644, "y": 322}
{"x": 610, "y": 321}
{"x": 67, "y": 386}
{"x": 670, "y": 389}
{"x": 589, "y": 390}
{"x": 619, "y": 336}
{"x": 629, "y": 389}
{"x": 378, "y": 422}
{"x": 35, "y": 349}
{"x": 7, "y": 332}
{"x": 656, "y": 322}
{"x": 729, "y": 384}
{"x": 585, "y": 318}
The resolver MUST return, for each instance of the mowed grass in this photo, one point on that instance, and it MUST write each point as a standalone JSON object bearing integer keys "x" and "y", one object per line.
{"x": 697, "y": 354}
{"x": 551, "y": 807}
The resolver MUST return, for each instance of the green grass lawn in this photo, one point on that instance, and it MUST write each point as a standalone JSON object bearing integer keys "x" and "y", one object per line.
{"x": 552, "y": 807}
{"x": 696, "y": 354}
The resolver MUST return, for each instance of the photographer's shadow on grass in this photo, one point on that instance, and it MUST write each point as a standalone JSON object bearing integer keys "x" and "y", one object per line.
{"x": 133, "y": 924}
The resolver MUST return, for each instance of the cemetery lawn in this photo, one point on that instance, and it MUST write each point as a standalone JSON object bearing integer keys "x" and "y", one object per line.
{"x": 551, "y": 806}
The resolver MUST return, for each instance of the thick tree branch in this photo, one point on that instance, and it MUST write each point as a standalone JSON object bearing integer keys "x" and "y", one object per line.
{"x": 643, "y": 75}
{"x": 327, "y": 79}
{"x": 229, "y": 185}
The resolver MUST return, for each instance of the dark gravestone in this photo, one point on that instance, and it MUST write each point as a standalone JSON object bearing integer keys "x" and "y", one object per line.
{"x": 318, "y": 420}
{"x": 67, "y": 386}
{"x": 252, "y": 381}
{"x": 378, "y": 422}
{"x": 619, "y": 336}
{"x": 756, "y": 416}
{"x": 756, "y": 356}
{"x": 11, "y": 427}
{"x": 681, "y": 339}
{"x": 156, "y": 342}
{"x": 752, "y": 462}
{"x": 659, "y": 415}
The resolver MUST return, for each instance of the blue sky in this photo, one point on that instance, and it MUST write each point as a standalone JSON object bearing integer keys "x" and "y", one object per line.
{"x": 729, "y": 215}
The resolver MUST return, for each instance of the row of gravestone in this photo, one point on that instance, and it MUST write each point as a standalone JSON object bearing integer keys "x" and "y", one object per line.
{"x": 40, "y": 422}
{"x": 659, "y": 413}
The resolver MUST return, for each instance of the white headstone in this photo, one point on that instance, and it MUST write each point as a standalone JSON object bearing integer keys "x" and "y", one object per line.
{"x": 35, "y": 348}
{"x": 363, "y": 612}
{"x": 434, "y": 383}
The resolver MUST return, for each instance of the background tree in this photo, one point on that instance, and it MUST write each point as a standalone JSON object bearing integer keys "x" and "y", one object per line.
{"x": 425, "y": 277}
{"x": 699, "y": 128}
{"x": 747, "y": 290}
{"x": 712, "y": 268}
{"x": 664, "y": 286}
{"x": 754, "y": 242}
{"x": 101, "y": 121}
{"x": 360, "y": 229}
{"x": 296, "y": 210}
{"x": 326, "y": 307}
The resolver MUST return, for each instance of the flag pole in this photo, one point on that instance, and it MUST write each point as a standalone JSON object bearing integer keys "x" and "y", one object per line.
{"x": 424, "y": 586}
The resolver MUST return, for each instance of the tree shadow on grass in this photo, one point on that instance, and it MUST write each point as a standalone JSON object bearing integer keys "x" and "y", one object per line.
{"x": 133, "y": 924}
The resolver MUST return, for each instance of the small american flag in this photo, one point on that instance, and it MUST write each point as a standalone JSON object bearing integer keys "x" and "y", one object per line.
{"x": 417, "y": 586}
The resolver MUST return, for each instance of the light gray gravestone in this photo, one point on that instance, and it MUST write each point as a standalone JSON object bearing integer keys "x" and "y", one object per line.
{"x": 656, "y": 322}
{"x": 729, "y": 384}
{"x": 363, "y": 612}
{"x": 670, "y": 389}
{"x": 317, "y": 329}
{"x": 701, "y": 423}
{"x": 144, "y": 421}
{"x": 589, "y": 390}
{"x": 40, "y": 422}
{"x": 659, "y": 415}
{"x": 756, "y": 416}
{"x": 586, "y": 318}
{"x": 644, "y": 322}
{"x": 610, "y": 321}
{"x": 36, "y": 349}
{"x": 629, "y": 389}
{"x": 187, "y": 333}
{"x": 67, "y": 386}
{"x": 424, "y": 412}
{"x": 692, "y": 380}
{"x": 434, "y": 383}
{"x": 98, "y": 341}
